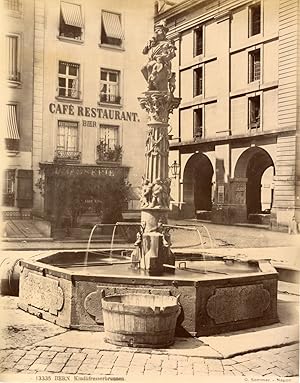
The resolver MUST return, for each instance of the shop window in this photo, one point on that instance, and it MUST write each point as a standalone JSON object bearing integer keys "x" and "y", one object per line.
{"x": 254, "y": 65}
{"x": 13, "y": 5}
{"x": 108, "y": 148}
{"x": 254, "y": 19}
{"x": 8, "y": 192}
{"x": 12, "y": 136}
{"x": 71, "y": 21}
{"x": 68, "y": 80}
{"x": 13, "y": 58}
{"x": 67, "y": 141}
{"x": 198, "y": 41}
{"x": 254, "y": 112}
{"x": 111, "y": 29}
{"x": 198, "y": 123}
{"x": 110, "y": 86}
{"x": 198, "y": 81}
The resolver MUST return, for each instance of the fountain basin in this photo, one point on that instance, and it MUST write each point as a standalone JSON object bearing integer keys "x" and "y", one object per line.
{"x": 216, "y": 295}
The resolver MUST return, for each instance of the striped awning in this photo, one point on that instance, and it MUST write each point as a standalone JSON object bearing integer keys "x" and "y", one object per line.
{"x": 112, "y": 25}
{"x": 12, "y": 131}
{"x": 71, "y": 14}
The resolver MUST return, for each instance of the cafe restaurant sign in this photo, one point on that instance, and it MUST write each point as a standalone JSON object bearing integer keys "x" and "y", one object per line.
{"x": 84, "y": 111}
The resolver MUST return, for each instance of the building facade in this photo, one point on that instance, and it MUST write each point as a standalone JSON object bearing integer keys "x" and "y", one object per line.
{"x": 17, "y": 108}
{"x": 236, "y": 134}
{"x": 85, "y": 79}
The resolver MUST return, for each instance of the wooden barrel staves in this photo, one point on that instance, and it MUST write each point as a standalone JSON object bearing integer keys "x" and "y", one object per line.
{"x": 9, "y": 276}
{"x": 140, "y": 320}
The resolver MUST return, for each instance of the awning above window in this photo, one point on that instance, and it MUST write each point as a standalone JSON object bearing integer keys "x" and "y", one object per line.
{"x": 12, "y": 131}
{"x": 112, "y": 25}
{"x": 71, "y": 14}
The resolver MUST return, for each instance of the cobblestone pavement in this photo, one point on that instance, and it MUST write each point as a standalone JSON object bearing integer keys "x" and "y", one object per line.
{"x": 275, "y": 362}
{"x": 233, "y": 236}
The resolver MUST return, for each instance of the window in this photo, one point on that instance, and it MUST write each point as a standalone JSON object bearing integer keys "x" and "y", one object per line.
{"x": 254, "y": 65}
{"x": 13, "y": 5}
{"x": 13, "y": 58}
{"x": 71, "y": 22}
{"x": 12, "y": 136}
{"x": 198, "y": 123}
{"x": 111, "y": 29}
{"x": 110, "y": 86}
{"x": 198, "y": 81}
{"x": 198, "y": 41}
{"x": 8, "y": 193}
{"x": 67, "y": 140}
{"x": 68, "y": 80}
{"x": 254, "y": 112}
{"x": 254, "y": 19}
{"x": 108, "y": 148}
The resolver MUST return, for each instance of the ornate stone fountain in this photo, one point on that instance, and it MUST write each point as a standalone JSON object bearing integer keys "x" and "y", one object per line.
{"x": 153, "y": 243}
{"x": 216, "y": 294}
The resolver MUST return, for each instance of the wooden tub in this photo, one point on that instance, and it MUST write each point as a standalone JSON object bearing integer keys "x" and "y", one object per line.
{"x": 140, "y": 320}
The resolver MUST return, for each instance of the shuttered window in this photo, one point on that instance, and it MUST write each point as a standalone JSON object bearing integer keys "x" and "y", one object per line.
{"x": 13, "y": 5}
{"x": 198, "y": 81}
{"x": 13, "y": 57}
{"x": 71, "y": 21}
{"x": 68, "y": 80}
{"x": 198, "y": 41}
{"x": 254, "y": 65}
{"x": 254, "y": 112}
{"x": 25, "y": 188}
{"x": 109, "y": 86}
{"x": 254, "y": 19}
{"x": 8, "y": 192}
{"x": 12, "y": 136}
{"x": 109, "y": 135}
{"x": 198, "y": 123}
{"x": 67, "y": 136}
{"x": 111, "y": 29}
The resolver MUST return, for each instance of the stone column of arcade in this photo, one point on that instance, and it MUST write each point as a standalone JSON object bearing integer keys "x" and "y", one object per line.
{"x": 153, "y": 243}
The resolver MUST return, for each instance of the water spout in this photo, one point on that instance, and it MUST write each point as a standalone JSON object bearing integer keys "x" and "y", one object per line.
{"x": 89, "y": 244}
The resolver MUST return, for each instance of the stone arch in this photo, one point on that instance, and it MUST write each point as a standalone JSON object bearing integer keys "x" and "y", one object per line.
{"x": 249, "y": 169}
{"x": 197, "y": 184}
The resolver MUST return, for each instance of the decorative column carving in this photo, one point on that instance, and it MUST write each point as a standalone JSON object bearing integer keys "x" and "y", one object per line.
{"x": 158, "y": 101}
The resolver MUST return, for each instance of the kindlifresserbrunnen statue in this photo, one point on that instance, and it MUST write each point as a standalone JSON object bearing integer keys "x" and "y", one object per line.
{"x": 153, "y": 242}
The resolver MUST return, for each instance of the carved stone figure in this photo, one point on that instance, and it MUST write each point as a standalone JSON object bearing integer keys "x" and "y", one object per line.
{"x": 166, "y": 192}
{"x": 146, "y": 194}
{"x": 172, "y": 83}
{"x": 161, "y": 51}
{"x": 157, "y": 194}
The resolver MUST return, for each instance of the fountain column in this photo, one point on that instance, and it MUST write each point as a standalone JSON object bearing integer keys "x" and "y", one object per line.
{"x": 158, "y": 101}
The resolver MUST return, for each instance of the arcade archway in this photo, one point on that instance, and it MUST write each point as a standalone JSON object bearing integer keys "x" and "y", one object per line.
{"x": 197, "y": 185}
{"x": 256, "y": 166}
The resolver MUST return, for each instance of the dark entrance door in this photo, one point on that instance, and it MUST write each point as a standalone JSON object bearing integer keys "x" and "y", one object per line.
{"x": 197, "y": 185}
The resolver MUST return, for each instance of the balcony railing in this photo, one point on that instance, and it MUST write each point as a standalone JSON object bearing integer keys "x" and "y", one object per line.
{"x": 8, "y": 199}
{"x": 106, "y": 154}
{"x": 14, "y": 76}
{"x": 112, "y": 99}
{"x": 13, "y": 5}
{"x": 198, "y": 133}
{"x": 12, "y": 145}
{"x": 67, "y": 155}
{"x": 68, "y": 93}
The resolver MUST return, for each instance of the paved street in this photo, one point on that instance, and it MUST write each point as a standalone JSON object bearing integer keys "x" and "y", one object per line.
{"x": 280, "y": 362}
{"x": 240, "y": 236}
{"x": 33, "y": 346}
